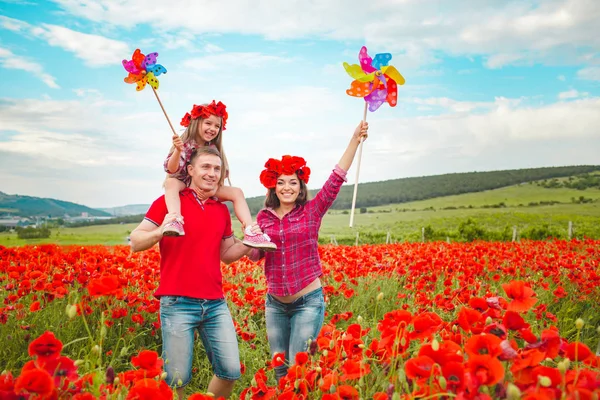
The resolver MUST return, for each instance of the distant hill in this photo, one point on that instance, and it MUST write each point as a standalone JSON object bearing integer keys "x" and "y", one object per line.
{"x": 429, "y": 187}
{"x": 132, "y": 209}
{"x": 369, "y": 194}
{"x": 28, "y": 206}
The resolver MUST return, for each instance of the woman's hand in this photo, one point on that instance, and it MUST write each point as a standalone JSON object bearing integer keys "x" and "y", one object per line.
{"x": 360, "y": 133}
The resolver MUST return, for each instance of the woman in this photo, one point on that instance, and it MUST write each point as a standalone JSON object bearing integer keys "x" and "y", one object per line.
{"x": 295, "y": 306}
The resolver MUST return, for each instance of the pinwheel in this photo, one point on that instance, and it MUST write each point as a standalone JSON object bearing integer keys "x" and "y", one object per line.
{"x": 374, "y": 80}
{"x": 143, "y": 70}
{"x": 377, "y": 83}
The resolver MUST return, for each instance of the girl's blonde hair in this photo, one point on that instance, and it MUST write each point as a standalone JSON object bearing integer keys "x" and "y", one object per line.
{"x": 190, "y": 134}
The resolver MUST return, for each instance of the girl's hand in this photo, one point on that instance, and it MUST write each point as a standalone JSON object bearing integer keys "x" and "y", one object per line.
{"x": 360, "y": 133}
{"x": 177, "y": 143}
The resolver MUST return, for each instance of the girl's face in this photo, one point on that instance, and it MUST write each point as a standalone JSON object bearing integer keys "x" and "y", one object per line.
{"x": 209, "y": 128}
{"x": 287, "y": 189}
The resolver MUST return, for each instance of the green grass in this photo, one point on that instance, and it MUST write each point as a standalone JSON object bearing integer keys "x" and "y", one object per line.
{"x": 512, "y": 196}
{"x": 404, "y": 221}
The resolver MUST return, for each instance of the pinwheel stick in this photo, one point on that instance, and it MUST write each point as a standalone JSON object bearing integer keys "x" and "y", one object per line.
{"x": 163, "y": 110}
{"x": 360, "y": 147}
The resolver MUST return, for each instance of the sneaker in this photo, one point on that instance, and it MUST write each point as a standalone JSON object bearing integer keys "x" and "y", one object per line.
{"x": 174, "y": 228}
{"x": 257, "y": 241}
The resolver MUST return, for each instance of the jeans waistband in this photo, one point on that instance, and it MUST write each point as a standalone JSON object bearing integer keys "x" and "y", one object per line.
{"x": 300, "y": 300}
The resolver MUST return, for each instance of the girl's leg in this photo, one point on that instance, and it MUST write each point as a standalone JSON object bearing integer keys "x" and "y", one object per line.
{"x": 306, "y": 321}
{"x": 278, "y": 332}
{"x": 240, "y": 207}
{"x": 242, "y": 212}
{"x": 172, "y": 188}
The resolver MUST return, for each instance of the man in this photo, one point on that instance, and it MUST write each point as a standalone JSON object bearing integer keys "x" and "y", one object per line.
{"x": 190, "y": 287}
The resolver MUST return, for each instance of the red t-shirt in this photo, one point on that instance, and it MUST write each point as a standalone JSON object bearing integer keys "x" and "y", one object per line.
{"x": 190, "y": 265}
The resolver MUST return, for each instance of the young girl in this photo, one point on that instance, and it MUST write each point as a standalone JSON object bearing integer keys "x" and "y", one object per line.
{"x": 204, "y": 125}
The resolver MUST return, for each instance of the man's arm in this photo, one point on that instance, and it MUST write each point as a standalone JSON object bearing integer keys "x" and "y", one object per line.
{"x": 148, "y": 234}
{"x": 232, "y": 249}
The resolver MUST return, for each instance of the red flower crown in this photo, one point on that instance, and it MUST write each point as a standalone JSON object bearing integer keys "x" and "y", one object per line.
{"x": 288, "y": 165}
{"x": 218, "y": 109}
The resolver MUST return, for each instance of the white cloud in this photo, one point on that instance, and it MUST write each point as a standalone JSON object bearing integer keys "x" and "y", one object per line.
{"x": 212, "y": 48}
{"x": 502, "y": 59}
{"x": 590, "y": 73}
{"x": 12, "y": 61}
{"x": 450, "y": 104}
{"x": 14, "y": 25}
{"x": 506, "y": 32}
{"x": 95, "y": 50}
{"x": 222, "y": 61}
{"x": 572, "y": 94}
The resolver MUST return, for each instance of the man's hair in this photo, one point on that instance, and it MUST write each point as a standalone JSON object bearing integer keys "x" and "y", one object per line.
{"x": 204, "y": 150}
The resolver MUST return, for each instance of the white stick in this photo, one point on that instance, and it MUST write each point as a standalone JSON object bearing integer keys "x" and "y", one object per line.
{"x": 360, "y": 147}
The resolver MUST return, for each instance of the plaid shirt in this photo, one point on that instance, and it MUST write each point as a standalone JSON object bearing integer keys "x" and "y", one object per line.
{"x": 295, "y": 263}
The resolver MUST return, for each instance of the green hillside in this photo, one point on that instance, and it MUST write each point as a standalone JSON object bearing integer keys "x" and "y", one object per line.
{"x": 429, "y": 187}
{"x": 28, "y": 206}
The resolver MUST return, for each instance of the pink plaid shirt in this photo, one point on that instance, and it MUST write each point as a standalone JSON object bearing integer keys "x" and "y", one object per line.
{"x": 295, "y": 263}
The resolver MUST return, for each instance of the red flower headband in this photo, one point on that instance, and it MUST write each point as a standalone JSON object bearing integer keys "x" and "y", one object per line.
{"x": 288, "y": 165}
{"x": 218, "y": 109}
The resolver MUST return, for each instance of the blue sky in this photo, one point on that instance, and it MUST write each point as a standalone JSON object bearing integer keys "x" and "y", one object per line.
{"x": 489, "y": 85}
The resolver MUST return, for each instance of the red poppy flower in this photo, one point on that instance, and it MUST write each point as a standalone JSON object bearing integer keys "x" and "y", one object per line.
{"x": 185, "y": 121}
{"x": 470, "y": 320}
{"x": 419, "y": 368}
{"x": 107, "y": 285}
{"x": 454, "y": 372}
{"x": 486, "y": 370}
{"x": 514, "y": 321}
{"x": 448, "y": 351}
{"x": 425, "y": 325}
{"x": 301, "y": 358}
{"x": 35, "y": 381}
{"x": 46, "y": 346}
{"x": 577, "y": 351}
{"x": 552, "y": 373}
{"x": 331, "y": 379}
{"x": 352, "y": 369}
{"x": 201, "y": 396}
{"x": 35, "y": 306}
{"x": 347, "y": 392}
{"x": 291, "y": 164}
{"x": 150, "y": 389}
{"x": 268, "y": 178}
{"x": 483, "y": 344}
{"x": 148, "y": 360}
{"x": 278, "y": 360}
{"x": 522, "y": 296}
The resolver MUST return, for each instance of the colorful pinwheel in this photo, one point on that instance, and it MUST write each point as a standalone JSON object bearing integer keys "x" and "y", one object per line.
{"x": 143, "y": 69}
{"x": 374, "y": 80}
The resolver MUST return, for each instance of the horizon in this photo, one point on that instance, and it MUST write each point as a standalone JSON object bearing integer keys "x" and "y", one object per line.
{"x": 345, "y": 184}
{"x": 489, "y": 86}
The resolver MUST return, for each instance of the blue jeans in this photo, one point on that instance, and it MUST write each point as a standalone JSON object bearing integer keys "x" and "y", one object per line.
{"x": 291, "y": 325}
{"x": 179, "y": 318}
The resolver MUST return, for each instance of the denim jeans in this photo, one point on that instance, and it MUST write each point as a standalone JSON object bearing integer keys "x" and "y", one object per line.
{"x": 291, "y": 325}
{"x": 179, "y": 318}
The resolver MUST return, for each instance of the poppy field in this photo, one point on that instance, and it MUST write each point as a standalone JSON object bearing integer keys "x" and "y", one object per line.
{"x": 480, "y": 320}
